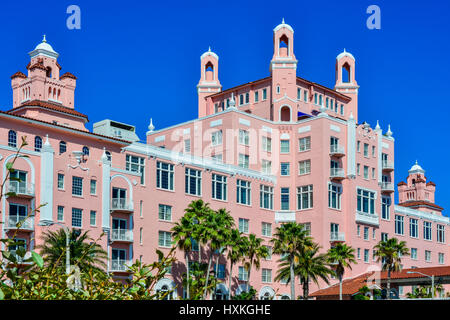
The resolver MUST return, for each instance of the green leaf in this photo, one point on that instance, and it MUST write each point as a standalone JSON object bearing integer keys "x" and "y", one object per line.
{"x": 37, "y": 259}
{"x": 2, "y": 295}
{"x": 9, "y": 166}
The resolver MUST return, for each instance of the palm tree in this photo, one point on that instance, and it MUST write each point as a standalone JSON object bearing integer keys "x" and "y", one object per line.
{"x": 83, "y": 252}
{"x": 289, "y": 240}
{"x": 342, "y": 256}
{"x": 390, "y": 253}
{"x": 236, "y": 252}
{"x": 197, "y": 211}
{"x": 254, "y": 252}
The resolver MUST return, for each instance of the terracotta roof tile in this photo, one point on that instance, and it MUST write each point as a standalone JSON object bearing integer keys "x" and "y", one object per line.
{"x": 420, "y": 203}
{"x": 68, "y": 75}
{"x": 48, "y": 105}
{"x": 18, "y": 74}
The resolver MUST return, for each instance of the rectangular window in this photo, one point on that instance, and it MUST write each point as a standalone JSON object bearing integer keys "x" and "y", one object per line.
{"x": 427, "y": 230}
{"x": 366, "y": 172}
{"x": 266, "y": 229}
{"x": 266, "y": 197}
{"x": 413, "y": 228}
{"x": 219, "y": 187}
{"x": 243, "y": 225}
{"x": 164, "y": 212}
{"x": 241, "y": 99}
{"x": 60, "y": 181}
{"x": 77, "y": 186}
{"x": 366, "y": 150}
{"x": 307, "y": 227}
{"x": 305, "y": 197}
{"x": 135, "y": 164}
{"x": 358, "y": 253}
{"x": 60, "y": 216}
{"x": 358, "y": 146}
{"x": 244, "y": 137}
{"x": 93, "y": 186}
{"x": 216, "y": 138}
{"x": 266, "y": 275}
{"x": 256, "y": 96}
{"x": 373, "y": 173}
{"x": 373, "y": 151}
{"x": 414, "y": 253}
{"x": 365, "y": 201}
{"x": 427, "y": 256}
{"x": 358, "y": 230}
{"x": 266, "y": 166}
{"x": 93, "y": 218}
{"x": 264, "y": 91}
{"x": 284, "y": 198}
{"x": 366, "y": 233}
{"x": 243, "y": 274}
{"x": 221, "y": 271}
{"x": 164, "y": 175}
{"x": 384, "y": 236}
{"x": 164, "y": 239}
{"x": 187, "y": 145}
{"x": 267, "y": 144}
{"x": 366, "y": 255}
{"x": 285, "y": 168}
{"x": 334, "y": 196}
{"x": 243, "y": 192}
{"x": 304, "y": 167}
{"x": 269, "y": 253}
{"x": 399, "y": 225}
{"x": 299, "y": 93}
{"x": 440, "y": 233}
{"x": 358, "y": 169}
{"x": 441, "y": 258}
{"x": 385, "y": 208}
{"x": 284, "y": 146}
{"x": 77, "y": 217}
{"x": 193, "y": 182}
{"x": 247, "y": 97}
{"x": 305, "y": 96}
{"x": 304, "y": 144}
{"x": 243, "y": 160}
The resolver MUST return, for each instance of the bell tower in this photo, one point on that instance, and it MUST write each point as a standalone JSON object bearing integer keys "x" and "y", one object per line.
{"x": 346, "y": 81}
{"x": 209, "y": 82}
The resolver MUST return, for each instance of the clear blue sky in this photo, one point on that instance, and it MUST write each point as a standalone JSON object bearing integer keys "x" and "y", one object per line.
{"x": 138, "y": 59}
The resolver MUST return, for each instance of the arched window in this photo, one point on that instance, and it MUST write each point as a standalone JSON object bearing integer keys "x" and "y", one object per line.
{"x": 49, "y": 72}
{"x": 346, "y": 73}
{"x": 285, "y": 114}
{"x": 37, "y": 144}
{"x": 62, "y": 147}
{"x": 12, "y": 138}
{"x": 85, "y": 151}
{"x": 49, "y": 93}
{"x": 209, "y": 72}
{"x": 163, "y": 290}
{"x": 59, "y": 94}
{"x": 284, "y": 46}
{"x": 108, "y": 155}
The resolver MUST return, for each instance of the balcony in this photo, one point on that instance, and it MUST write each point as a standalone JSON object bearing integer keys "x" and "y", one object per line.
{"x": 387, "y": 187}
{"x": 120, "y": 265}
{"x": 337, "y": 150}
{"x": 26, "y": 223}
{"x": 121, "y": 235}
{"x": 387, "y": 165}
{"x": 367, "y": 218}
{"x": 21, "y": 189}
{"x": 337, "y": 173}
{"x": 121, "y": 205}
{"x": 337, "y": 237}
{"x": 285, "y": 216}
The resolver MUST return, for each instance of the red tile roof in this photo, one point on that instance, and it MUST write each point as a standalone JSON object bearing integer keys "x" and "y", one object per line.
{"x": 68, "y": 75}
{"x": 401, "y": 183}
{"x": 431, "y": 183}
{"x": 48, "y": 105}
{"x": 420, "y": 203}
{"x": 37, "y": 65}
{"x": 18, "y": 74}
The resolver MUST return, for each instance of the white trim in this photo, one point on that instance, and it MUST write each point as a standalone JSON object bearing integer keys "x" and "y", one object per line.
{"x": 421, "y": 214}
{"x": 215, "y": 123}
{"x": 244, "y": 122}
{"x": 304, "y": 129}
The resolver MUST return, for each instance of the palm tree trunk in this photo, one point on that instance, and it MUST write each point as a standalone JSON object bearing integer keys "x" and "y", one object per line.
{"x": 230, "y": 277}
{"x": 248, "y": 279}
{"x": 388, "y": 289}
{"x": 205, "y": 293}
{"x": 216, "y": 271}
{"x": 291, "y": 267}
{"x": 340, "y": 287}
{"x": 306, "y": 289}
{"x": 188, "y": 276}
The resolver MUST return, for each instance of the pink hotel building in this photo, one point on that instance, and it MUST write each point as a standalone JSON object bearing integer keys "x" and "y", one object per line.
{"x": 274, "y": 150}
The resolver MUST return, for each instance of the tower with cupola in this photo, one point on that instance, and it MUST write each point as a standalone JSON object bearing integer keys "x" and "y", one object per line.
{"x": 209, "y": 82}
{"x": 346, "y": 81}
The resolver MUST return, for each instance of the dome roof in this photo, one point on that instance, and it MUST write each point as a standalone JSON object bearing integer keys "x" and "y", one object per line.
{"x": 283, "y": 25}
{"x": 345, "y": 54}
{"x": 416, "y": 169}
{"x": 209, "y": 53}
{"x": 44, "y": 48}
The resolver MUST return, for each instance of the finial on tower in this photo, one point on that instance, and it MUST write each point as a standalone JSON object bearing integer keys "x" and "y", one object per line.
{"x": 232, "y": 103}
{"x": 389, "y": 132}
{"x": 378, "y": 126}
{"x": 44, "y": 39}
{"x": 282, "y": 21}
{"x": 209, "y": 48}
{"x": 151, "y": 127}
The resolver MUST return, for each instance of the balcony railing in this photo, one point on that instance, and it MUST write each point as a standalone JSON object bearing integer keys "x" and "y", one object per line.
{"x": 119, "y": 265}
{"x": 367, "y": 218}
{"x": 387, "y": 165}
{"x": 21, "y": 189}
{"x": 337, "y": 236}
{"x": 119, "y": 204}
{"x": 387, "y": 187}
{"x": 284, "y": 216}
{"x": 337, "y": 150}
{"x": 122, "y": 235}
{"x": 26, "y": 223}
{"x": 337, "y": 173}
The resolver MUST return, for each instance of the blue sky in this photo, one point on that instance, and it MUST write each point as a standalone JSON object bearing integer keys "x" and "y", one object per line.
{"x": 138, "y": 59}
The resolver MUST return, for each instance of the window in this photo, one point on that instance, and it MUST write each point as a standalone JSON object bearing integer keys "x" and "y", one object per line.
{"x": 427, "y": 230}
{"x": 384, "y": 236}
{"x": 366, "y": 255}
{"x": 243, "y": 160}
{"x": 37, "y": 144}
{"x": 358, "y": 146}
{"x": 285, "y": 168}
{"x": 365, "y": 201}
{"x": 385, "y": 207}
{"x": 358, "y": 230}
{"x": 247, "y": 97}
{"x": 241, "y": 99}
{"x": 278, "y": 89}
{"x": 399, "y": 225}
{"x": 304, "y": 144}
{"x": 373, "y": 173}
{"x": 12, "y": 139}
{"x": 264, "y": 96}
{"x": 373, "y": 151}
{"x": 164, "y": 239}
{"x": 284, "y": 146}
{"x": 299, "y": 93}
{"x": 256, "y": 96}
{"x": 216, "y": 138}
{"x": 243, "y": 225}
{"x": 284, "y": 198}
{"x": 269, "y": 253}
{"x": 414, "y": 253}
{"x": 366, "y": 233}
{"x": 441, "y": 258}
{"x": 62, "y": 147}
{"x": 243, "y": 274}
{"x": 440, "y": 233}
{"x": 193, "y": 182}
{"x": 266, "y": 197}
{"x": 304, "y": 167}
{"x": 366, "y": 150}
{"x": 219, "y": 187}
{"x": 374, "y": 232}
{"x": 60, "y": 216}
{"x": 358, "y": 169}
{"x": 164, "y": 175}
{"x": 135, "y": 164}
{"x": 60, "y": 181}
{"x": 77, "y": 217}
{"x": 119, "y": 198}
{"x": 93, "y": 217}
{"x": 85, "y": 151}
{"x": 315, "y": 98}
{"x": 140, "y": 235}
{"x": 164, "y": 212}
{"x": 243, "y": 192}
{"x": 266, "y": 166}
{"x": 342, "y": 109}
{"x": 307, "y": 227}
{"x": 334, "y": 196}
{"x": 266, "y": 275}
{"x": 93, "y": 186}
{"x": 221, "y": 271}
{"x": 243, "y": 137}
{"x": 413, "y": 228}
{"x": 187, "y": 145}
{"x": 266, "y": 229}
{"x": 267, "y": 144}
{"x": 77, "y": 186}
{"x": 358, "y": 253}
{"x": 17, "y": 213}
{"x": 427, "y": 256}
{"x": 305, "y": 197}
{"x": 366, "y": 172}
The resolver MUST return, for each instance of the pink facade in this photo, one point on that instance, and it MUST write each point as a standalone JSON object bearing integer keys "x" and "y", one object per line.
{"x": 273, "y": 150}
